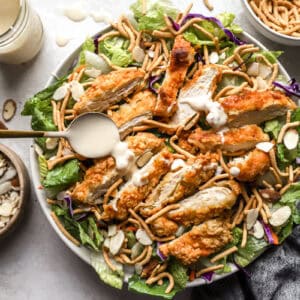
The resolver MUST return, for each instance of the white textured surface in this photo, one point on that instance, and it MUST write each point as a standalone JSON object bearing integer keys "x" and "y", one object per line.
{"x": 35, "y": 264}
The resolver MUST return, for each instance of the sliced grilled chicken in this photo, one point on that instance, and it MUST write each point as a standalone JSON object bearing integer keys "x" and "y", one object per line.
{"x": 164, "y": 227}
{"x": 232, "y": 140}
{"x": 204, "y": 205}
{"x": 182, "y": 56}
{"x": 103, "y": 174}
{"x": 201, "y": 241}
{"x": 139, "y": 186}
{"x": 109, "y": 89}
{"x": 255, "y": 107}
{"x": 181, "y": 183}
{"x": 141, "y": 103}
{"x": 251, "y": 165}
{"x": 204, "y": 82}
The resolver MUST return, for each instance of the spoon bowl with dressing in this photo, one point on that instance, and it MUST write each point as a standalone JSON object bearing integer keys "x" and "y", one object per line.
{"x": 92, "y": 135}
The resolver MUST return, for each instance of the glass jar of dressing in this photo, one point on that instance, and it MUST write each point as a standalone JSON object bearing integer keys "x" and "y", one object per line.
{"x": 21, "y": 32}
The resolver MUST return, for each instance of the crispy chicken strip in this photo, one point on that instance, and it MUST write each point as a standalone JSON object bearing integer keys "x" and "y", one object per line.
{"x": 201, "y": 241}
{"x": 103, "y": 174}
{"x": 232, "y": 140}
{"x": 181, "y": 183}
{"x": 182, "y": 56}
{"x": 251, "y": 165}
{"x": 109, "y": 89}
{"x": 140, "y": 103}
{"x": 206, "y": 204}
{"x": 255, "y": 107}
{"x": 139, "y": 186}
{"x": 164, "y": 227}
{"x": 204, "y": 82}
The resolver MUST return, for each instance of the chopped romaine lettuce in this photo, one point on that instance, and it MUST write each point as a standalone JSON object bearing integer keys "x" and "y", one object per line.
{"x": 96, "y": 235}
{"x": 114, "y": 279}
{"x": 43, "y": 167}
{"x": 88, "y": 45}
{"x": 179, "y": 273}
{"x": 116, "y": 49}
{"x": 273, "y": 127}
{"x": 61, "y": 177}
{"x": 131, "y": 239}
{"x": 138, "y": 285}
{"x": 198, "y": 38}
{"x": 271, "y": 56}
{"x": 85, "y": 238}
{"x": 153, "y": 18}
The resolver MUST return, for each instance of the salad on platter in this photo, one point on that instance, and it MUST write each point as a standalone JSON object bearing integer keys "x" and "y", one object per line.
{"x": 214, "y": 140}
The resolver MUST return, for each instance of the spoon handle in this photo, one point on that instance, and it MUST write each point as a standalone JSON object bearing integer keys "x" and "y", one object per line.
{"x": 20, "y": 134}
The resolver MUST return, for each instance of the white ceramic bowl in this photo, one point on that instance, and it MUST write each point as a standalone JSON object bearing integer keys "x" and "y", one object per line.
{"x": 83, "y": 252}
{"x": 266, "y": 30}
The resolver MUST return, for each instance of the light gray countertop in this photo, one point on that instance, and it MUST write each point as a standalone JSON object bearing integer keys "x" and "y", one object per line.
{"x": 34, "y": 262}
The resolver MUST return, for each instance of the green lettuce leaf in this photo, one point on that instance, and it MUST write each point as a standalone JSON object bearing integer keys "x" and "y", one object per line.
{"x": 131, "y": 239}
{"x": 253, "y": 249}
{"x": 271, "y": 56}
{"x": 114, "y": 279}
{"x": 116, "y": 49}
{"x": 153, "y": 19}
{"x": 138, "y": 285}
{"x": 88, "y": 45}
{"x": 85, "y": 238}
{"x": 97, "y": 236}
{"x": 179, "y": 273}
{"x": 43, "y": 167}
{"x": 62, "y": 176}
{"x": 198, "y": 38}
{"x": 273, "y": 127}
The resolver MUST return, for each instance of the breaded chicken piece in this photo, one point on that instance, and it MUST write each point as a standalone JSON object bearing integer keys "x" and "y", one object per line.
{"x": 179, "y": 184}
{"x": 164, "y": 227}
{"x": 255, "y": 107}
{"x": 138, "y": 187}
{"x": 204, "y": 82}
{"x": 201, "y": 241}
{"x": 103, "y": 174}
{"x": 142, "y": 102}
{"x": 182, "y": 56}
{"x": 251, "y": 165}
{"x": 109, "y": 89}
{"x": 205, "y": 204}
{"x": 232, "y": 140}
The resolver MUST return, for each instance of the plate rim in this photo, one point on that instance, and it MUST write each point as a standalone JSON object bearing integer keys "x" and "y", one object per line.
{"x": 81, "y": 251}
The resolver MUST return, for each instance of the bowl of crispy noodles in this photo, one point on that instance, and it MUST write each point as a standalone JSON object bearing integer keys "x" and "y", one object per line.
{"x": 277, "y": 20}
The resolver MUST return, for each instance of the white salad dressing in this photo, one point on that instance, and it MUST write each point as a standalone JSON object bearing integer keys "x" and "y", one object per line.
{"x": 8, "y": 14}
{"x": 62, "y": 40}
{"x": 76, "y": 12}
{"x": 216, "y": 116}
{"x": 221, "y": 134}
{"x": 177, "y": 164}
{"x": 99, "y": 138}
{"x": 234, "y": 171}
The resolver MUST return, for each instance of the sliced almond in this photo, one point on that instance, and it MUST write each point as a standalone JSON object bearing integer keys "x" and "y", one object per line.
{"x": 92, "y": 72}
{"x": 138, "y": 54}
{"x": 280, "y": 216}
{"x": 142, "y": 236}
{"x": 261, "y": 83}
{"x": 264, "y": 146}
{"x": 9, "y": 109}
{"x": 51, "y": 143}
{"x": 116, "y": 242}
{"x": 264, "y": 71}
{"x": 143, "y": 159}
{"x": 253, "y": 69}
{"x": 258, "y": 230}
{"x": 61, "y": 92}
{"x": 214, "y": 57}
{"x": 252, "y": 216}
{"x": 291, "y": 139}
{"x": 77, "y": 90}
{"x": 112, "y": 230}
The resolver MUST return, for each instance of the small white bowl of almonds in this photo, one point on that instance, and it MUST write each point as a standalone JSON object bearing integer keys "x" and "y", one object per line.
{"x": 14, "y": 190}
{"x": 279, "y": 21}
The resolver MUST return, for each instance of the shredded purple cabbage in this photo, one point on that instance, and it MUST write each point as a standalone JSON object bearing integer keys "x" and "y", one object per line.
{"x": 161, "y": 256}
{"x": 199, "y": 58}
{"x": 96, "y": 43}
{"x": 68, "y": 201}
{"x": 229, "y": 33}
{"x": 298, "y": 160}
{"x": 268, "y": 232}
{"x": 152, "y": 81}
{"x": 208, "y": 276}
{"x": 291, "y": 89}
